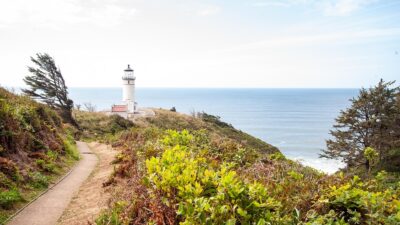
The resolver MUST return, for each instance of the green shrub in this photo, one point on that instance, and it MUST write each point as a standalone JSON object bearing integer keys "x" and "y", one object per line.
{"x": 276, "y": 156}
{"x": 3, "y": 217}
{"x": 9, "y": 197}
{"x": 356, "y": 203}
{"x": 112, "y": 218}
{"x": 46, "y": 165}
{"x": 6, "y": 182}
{"x": 49, "y": 162}
{"x": 173, "y": 138}
{"x": 70, "y": 148}
{"x": 331, "y": 218}
{"x": 98, "y": 126}
{"x": 38, "y": 180}
{"x": 372, "y": 156}
{"x": 118, "y": 123}
{"x": 214, "y": 119}
{"x": 205, "y": 195}
{"x": 294, "y": 175}
{"x": 52, "y": 155}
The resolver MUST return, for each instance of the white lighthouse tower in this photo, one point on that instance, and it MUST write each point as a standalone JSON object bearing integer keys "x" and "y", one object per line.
{"x": 128, "y": 90}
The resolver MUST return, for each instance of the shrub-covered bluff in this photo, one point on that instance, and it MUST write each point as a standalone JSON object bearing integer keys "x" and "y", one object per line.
{"x": 177, "y": 169}
{"x": 35, "y": 148}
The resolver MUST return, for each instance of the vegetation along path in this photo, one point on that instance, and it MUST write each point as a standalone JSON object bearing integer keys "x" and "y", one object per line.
{"x": 49, "y": 207}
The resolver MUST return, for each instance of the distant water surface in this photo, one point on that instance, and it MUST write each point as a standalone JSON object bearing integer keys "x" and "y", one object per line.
{"x": 297, "y": 121}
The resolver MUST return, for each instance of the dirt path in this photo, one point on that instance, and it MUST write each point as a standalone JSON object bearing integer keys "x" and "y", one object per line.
{"x": 92, "y": 197}
{"x": 47, "y": 209}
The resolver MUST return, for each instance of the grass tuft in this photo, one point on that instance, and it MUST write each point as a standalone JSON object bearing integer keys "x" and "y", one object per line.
{"x": 70, "y": 148}
{"x": 9, "y": 197}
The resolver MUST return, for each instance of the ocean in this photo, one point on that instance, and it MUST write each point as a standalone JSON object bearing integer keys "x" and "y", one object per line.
{"x": 297, "y": 121}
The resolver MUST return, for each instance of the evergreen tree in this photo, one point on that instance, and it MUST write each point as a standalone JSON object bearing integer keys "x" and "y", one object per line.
{"x": 371, "y": 121}
{"x": 47, "y": 85}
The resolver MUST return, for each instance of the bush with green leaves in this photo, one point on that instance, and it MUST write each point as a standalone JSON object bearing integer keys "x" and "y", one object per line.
{"x": 9, "y": 197}
{"x": 38, "y": 180}
{"x": 112, "y": 218}
{"x": 357, "y": 202}
{"x": 202, "y": 194}
{"x": 371, "y": 155}
{"x": 70, "y": 148}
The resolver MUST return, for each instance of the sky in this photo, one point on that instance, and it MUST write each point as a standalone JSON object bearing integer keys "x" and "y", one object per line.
{"x": 208, "y": 43}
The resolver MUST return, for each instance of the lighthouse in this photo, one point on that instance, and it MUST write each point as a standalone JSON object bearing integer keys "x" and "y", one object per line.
{"x": 128, "y": 109}
{"x": 128, "y": 90}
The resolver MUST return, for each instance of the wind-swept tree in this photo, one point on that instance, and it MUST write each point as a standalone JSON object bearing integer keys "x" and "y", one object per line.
{"x": 47, "y": 85}
{"x": 369, "y": 122}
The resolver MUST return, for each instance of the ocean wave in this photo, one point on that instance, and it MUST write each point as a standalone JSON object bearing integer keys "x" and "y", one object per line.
{"x": 328, "y": 166}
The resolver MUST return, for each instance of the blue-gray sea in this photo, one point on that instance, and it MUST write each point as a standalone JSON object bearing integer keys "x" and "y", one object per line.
{"x": 297, "y": 121}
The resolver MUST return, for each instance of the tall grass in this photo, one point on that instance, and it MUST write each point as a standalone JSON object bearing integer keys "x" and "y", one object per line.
{"x": 70, "y": 147}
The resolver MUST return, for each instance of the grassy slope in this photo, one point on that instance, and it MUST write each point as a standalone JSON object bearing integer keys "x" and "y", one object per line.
{"x": 101, "y": 127}
{"x": 170, "y": 120}
{"x": 34, "y": 150}
{"x": 98, "y": 126}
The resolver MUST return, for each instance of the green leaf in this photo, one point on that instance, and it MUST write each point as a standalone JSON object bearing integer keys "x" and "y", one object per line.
{"x": 261, "y": 222}
{"x": 231, "y": 222}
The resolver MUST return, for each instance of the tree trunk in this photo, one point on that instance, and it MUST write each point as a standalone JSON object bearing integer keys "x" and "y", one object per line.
{"x": 368, "y": 166}
{"x": 67, "y": 117}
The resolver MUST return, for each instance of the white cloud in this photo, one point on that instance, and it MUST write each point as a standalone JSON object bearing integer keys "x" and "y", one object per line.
{"x": 109, "y": 15}
{"x": 209, "y": 10}
{"x": 283, "y": 3}
{"x": 344, "y": 7}
{"x": 345, "y": 36}
{"x": 56, "y": 13}
{"x": 272, "y": 3}
{"x": 327, "y": 7}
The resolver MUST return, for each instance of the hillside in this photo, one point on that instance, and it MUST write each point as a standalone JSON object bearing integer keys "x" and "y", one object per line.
{"x": 35, "y": 149}
{"x": 178, "y": 169}
{"x": 101, "y": 127}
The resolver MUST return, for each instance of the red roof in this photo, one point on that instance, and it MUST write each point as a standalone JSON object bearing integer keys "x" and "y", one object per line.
{"x": 119, "y": 108}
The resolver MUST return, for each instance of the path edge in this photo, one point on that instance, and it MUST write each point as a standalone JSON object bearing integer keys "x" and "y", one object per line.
{"x": 44, "y": 192}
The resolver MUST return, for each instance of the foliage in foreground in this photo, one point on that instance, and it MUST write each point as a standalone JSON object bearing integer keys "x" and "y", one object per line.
{"x": 357, "y": 202}
{"x": 172, "y": 177}
{"x": 206, "y": 195}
